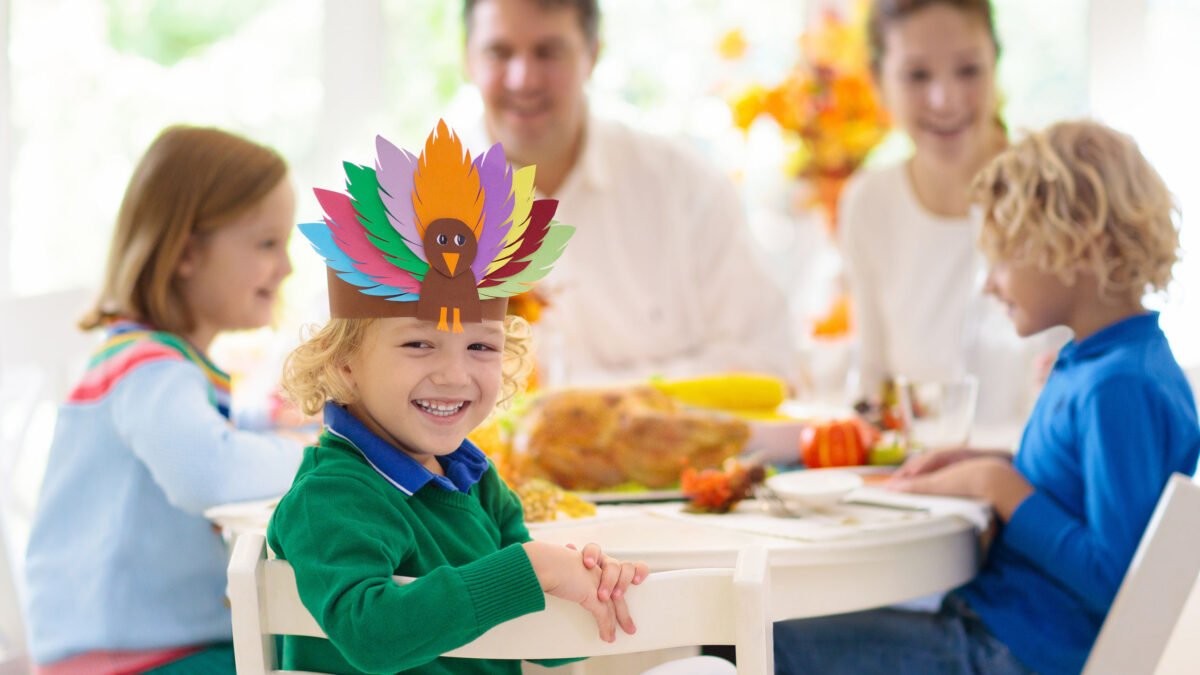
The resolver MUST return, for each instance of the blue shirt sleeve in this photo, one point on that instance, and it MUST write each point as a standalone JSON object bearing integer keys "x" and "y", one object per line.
{"x": 200, "y": 460}
{"x": 1121, "y": 425}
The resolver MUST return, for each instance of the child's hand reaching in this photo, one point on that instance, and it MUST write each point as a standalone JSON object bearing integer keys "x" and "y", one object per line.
{"x": 933, "y": 460}
{"x": 992, "y": 479}
{"x": 564, "y": 572}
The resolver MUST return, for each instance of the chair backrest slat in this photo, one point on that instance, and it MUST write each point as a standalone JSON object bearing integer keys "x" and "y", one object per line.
{"x": 671, "y": 609}
{"x": 286, "y": 615}
{"x": 1158, "y": 583}
{"x": 567, "y": 630}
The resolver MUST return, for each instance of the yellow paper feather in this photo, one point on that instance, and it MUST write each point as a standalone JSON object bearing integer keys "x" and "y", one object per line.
{"x": 522, "y": 203}
{"x": 445, "y": 184}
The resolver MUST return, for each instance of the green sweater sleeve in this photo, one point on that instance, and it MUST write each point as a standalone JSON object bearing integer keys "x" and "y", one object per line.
{"x": 345, "y": 539}
{"x": 504, "y": 506}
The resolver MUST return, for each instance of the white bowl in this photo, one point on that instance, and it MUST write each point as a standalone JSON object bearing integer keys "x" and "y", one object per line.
{"x": 814, "y": 488}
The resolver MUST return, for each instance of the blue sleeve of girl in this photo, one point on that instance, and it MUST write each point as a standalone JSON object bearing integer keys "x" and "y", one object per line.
{"x": 162, "y": 411}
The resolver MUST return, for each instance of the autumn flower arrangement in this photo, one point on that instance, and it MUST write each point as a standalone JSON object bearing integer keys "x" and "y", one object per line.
{"x": 825, "y": 107}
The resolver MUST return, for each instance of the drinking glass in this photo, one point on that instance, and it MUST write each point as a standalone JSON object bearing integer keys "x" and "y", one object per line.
{"x": 937, "y": 414}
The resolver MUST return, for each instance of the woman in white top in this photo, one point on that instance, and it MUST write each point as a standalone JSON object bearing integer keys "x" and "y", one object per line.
{"x": 907, "y": 234}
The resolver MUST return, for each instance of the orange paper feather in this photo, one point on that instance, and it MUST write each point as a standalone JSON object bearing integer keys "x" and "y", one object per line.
{"x": 445, "y": 184}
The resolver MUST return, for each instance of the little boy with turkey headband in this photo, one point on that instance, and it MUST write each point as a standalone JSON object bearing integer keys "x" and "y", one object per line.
{"x": 422, "y": 254}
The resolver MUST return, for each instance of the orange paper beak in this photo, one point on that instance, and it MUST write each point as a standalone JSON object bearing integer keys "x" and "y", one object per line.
{"x": 451, "y": 261}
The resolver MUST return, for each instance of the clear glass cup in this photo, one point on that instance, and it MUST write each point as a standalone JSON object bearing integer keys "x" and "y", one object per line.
{"x": 937, "y": 414}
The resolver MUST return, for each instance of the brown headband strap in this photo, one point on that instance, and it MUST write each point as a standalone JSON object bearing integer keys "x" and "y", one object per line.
{"x": 347, "y": 301}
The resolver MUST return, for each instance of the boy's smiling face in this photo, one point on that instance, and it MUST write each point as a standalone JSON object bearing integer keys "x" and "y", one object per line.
{"x": 1036, "y": 300}
{"x": 423, "y": 390}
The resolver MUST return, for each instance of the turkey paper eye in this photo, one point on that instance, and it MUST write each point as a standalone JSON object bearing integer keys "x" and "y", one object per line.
{"x": 459, "y": 240}
{"x": 441, "y": 239}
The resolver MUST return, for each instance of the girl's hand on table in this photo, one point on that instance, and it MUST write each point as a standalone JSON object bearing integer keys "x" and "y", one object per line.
{"x": 991, "y": 479}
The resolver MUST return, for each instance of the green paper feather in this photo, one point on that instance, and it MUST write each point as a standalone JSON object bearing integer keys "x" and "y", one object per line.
{"x": 363, "y": 187}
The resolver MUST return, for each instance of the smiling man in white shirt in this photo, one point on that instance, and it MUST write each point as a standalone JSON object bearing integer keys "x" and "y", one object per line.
{"x": 661, "y": 276}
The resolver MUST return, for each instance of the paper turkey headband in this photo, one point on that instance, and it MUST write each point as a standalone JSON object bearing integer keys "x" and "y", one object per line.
{"x": 437, "y": 237}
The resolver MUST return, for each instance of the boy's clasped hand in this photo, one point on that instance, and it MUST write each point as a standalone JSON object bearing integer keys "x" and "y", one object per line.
{"x": 596, "y": 581}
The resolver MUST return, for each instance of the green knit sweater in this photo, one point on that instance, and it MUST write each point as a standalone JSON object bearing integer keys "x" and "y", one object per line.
{"x": 346, "y": 530}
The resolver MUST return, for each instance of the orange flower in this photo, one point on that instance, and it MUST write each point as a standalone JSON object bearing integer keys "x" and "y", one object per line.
{"x": 825, "y": 106}
{"x": 528, "y": 306}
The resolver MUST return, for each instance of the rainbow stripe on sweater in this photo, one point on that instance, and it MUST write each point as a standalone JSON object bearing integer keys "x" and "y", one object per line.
{"x": 130, "y": 345}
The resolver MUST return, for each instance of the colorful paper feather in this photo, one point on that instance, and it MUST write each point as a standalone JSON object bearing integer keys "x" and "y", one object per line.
{"x": 496, "y": 181}
{"x": 394, "y": 170}
{"x": 446, "y": 184}
{"x": 376, "y": 237}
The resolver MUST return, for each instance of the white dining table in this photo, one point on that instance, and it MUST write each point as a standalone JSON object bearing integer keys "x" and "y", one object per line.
{"x": 843, "y": 559}
{"x": 836, "y": 560}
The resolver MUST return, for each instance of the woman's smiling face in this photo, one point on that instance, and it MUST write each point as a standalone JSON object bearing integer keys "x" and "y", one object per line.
{"x": 937, "y": 76}
{"x": 423, "y": 390}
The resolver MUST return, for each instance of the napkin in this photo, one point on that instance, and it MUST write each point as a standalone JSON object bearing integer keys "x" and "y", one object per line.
{"x": 842, "y": 521}
{"x": 974, "y": 511}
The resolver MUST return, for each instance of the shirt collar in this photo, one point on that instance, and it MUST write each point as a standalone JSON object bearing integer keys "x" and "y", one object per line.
{"x": 590, "y": 169}
{"x": 464, "y": 467}
{"x": 1133, "y": 329}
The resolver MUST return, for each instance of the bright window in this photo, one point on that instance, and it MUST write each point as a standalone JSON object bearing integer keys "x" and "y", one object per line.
{"x": 92, "y": 82}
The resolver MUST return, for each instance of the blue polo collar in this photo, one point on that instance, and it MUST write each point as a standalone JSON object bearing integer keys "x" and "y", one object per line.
{"x": 463, "y": 467}
{"x": 1134, "y": 329}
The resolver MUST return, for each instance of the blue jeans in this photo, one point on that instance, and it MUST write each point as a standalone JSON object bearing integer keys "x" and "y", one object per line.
{"x": 892, "y": 641}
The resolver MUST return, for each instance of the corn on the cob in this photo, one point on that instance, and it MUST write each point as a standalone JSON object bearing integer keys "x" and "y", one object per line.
{"x": 729, "y": 391}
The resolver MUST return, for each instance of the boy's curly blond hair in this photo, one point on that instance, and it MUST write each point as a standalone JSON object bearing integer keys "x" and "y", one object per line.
{"x": 1080, "y": 193}
{"x": 312, "y": 373}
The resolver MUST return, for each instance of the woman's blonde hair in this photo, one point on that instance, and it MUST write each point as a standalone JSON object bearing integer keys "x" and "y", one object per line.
{"x": 313, "y": 373}
{"x": 190, "y": 181}
{"x": 1080, "y": 193}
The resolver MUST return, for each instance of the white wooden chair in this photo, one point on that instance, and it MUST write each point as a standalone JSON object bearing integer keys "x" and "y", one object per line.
{"x": 672, "y": 609}
{"x": 41, "y": 353}
{"x": 1156, "y": 587}
{"x": 14, "y": 659}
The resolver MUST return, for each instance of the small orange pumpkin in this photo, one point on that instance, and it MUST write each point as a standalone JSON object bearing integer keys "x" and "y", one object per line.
{"x": 844, "y": 442}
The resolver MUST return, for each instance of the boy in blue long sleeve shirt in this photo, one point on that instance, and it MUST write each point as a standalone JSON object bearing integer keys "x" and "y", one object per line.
{"x": 1078, "y": 227}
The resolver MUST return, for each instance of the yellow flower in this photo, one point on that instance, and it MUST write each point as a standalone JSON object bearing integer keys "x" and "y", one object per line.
{"x": 747, "y": 106}
{"x": 797, "y": 160}
{"x": 732, "y": 45}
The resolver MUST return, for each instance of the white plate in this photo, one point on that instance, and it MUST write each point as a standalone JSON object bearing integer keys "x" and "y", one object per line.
{"x": 814, "y": 487}
{"x": 631, "y": 496}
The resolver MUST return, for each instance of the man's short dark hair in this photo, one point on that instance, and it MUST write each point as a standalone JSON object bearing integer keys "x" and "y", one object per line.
{"x": 588, "y": 12}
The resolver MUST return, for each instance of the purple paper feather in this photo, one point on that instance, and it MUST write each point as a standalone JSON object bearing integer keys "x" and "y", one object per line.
{"x": 394, "y": 169}
{"x": 495, "y": 179}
